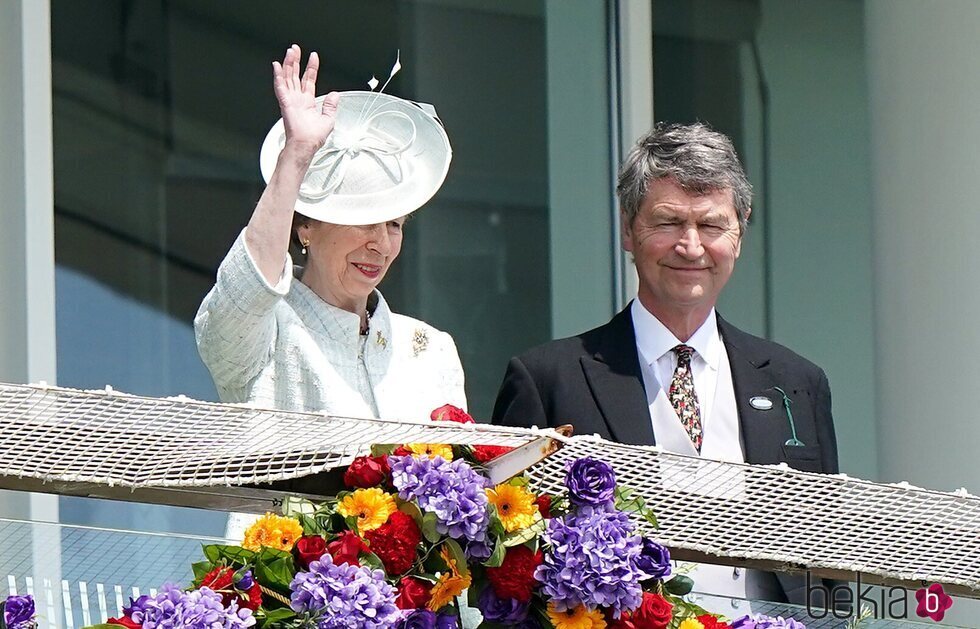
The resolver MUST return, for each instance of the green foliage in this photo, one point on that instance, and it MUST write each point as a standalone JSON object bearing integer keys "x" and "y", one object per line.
{"x": 429, "y": 531}
{"x": 456, "y": 554}
{"x": 275, "y": 569}
{"x": 497, "y": 558}
{"x": 524, "y": 535}
{"x": 228, "y": 555}
{"x": 679, "y": 585}
{"x": 266, "y": 617}
{"x": 629, "y": 502}
{"x": 383, "y": 449}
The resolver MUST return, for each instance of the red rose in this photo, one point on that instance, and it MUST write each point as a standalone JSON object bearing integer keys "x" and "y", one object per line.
{"x": 450, "y": 413}
{"x": 401, "y": 451}
{"x": 345, "y": 548}
{"x": 484, "y": 454}
{"x": 367, "y": 471}
{"x": 544, "y": 505}
{"x": 396, "y": 543}
{"x": 515, "y": 576}
{"x": 622, "y": 623}
{"x": 310, "y": 548}
{"x": 712, "y": 622}
{"x": 221, "y": 581}
{"x": 413, "y": 593}
{"x": 654, "y": 612}
{"x": 125, "y": 621}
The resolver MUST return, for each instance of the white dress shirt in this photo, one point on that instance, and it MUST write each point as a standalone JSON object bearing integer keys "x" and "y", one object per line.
{"x": 721, "y": 438}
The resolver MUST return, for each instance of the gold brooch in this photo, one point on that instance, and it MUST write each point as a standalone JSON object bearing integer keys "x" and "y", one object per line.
{"x": 420, "y": 342}
{"x": 381, "y": 340}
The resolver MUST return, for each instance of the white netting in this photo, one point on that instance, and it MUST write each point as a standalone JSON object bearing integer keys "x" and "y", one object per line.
{"x": 776, "y": 514}
{"x": 766, "y": 515}
{"x": 108, "y": 438}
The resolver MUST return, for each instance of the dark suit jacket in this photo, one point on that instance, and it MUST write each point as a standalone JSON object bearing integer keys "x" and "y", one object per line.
{"x": 593, "y": 382}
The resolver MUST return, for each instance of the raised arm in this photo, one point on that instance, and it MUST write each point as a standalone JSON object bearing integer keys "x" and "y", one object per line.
{"x": 307, "y": 127}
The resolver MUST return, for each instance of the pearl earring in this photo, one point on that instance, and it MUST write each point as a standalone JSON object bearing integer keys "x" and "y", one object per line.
{"x": 306, "y": 243}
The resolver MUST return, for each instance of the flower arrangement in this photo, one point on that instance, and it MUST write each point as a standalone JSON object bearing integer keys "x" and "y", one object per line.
{"x": 420, "y": 527}
{"x": 17, "y": 612}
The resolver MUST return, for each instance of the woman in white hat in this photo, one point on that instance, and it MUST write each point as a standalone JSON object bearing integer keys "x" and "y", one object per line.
{"x": 320, "y": 337}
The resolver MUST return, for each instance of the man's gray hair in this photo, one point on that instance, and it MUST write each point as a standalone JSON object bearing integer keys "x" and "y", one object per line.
{"x": 700, "y": 159}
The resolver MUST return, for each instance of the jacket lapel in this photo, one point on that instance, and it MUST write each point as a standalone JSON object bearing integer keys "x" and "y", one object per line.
{"x": 761, "y": 430}
{"x": 613, "y": 375}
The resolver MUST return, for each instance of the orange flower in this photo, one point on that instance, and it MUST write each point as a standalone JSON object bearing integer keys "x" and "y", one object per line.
{"x": 273, "y": 531}
{"x": 371, "y": 507}
{"x": 449, "y": 584}
{"x": 578, "y": 618}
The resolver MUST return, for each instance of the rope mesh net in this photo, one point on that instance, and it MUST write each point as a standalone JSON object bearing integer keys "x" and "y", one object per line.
{"x": 736, "y": 511}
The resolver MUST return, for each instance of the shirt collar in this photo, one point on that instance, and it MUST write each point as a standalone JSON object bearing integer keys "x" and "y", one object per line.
{"x": 653, "y": 339}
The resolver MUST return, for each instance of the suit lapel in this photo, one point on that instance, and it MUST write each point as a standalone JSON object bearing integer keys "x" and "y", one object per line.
{"x": 613, "y": 375}
{"x": 761, "y": 430}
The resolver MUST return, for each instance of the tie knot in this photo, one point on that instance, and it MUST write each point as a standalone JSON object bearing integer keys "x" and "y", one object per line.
{"x": 684, "y": 353}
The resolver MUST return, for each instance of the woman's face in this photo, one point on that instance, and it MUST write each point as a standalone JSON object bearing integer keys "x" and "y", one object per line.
{"x": 349, "y": 261}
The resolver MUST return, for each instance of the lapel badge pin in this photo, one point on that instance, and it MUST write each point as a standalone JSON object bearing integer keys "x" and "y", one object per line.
{"x": 761, "y": 403}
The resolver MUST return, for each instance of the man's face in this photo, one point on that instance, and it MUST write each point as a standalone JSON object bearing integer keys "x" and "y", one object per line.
{"x": 685, "y": 247}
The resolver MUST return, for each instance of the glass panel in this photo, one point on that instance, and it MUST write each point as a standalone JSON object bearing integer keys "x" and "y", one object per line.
{"x": 787, "y": 81}
{"x": 99, "y": 570}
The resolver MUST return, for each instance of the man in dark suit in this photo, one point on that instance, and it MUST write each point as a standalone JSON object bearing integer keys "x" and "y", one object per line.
{"x": 668, "y": 369}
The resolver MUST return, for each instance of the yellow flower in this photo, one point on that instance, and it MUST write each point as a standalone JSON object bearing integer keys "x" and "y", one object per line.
{"x": 431, "y": 450}
{"x": 690, "y": 623}
{"x": 273, "y": 531}
{"x": 515, "y": 506}
{"x": 578, "y": 618}
{"x": 449, "y": 584}
{"x": 371, "y": 507}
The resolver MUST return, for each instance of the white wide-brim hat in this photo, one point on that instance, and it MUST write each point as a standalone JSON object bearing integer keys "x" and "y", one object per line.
{"x": 384, "y": 159}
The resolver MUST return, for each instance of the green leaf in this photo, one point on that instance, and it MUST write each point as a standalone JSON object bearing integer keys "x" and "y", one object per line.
{"x": 372, "y": 562}
{"x": 526, "y": 534}
{"x": 275, "y": 569}
{"x": 200, "y": 569}
{"x": 221, "y": 553}
{"x": 311, "y": 525}
{"x": 382, "y": 449}
{"x": 275, "y": 615}
{"x": 412, "y": 509}
{"x": 429, "y": 527}
{"x": 456, "y": 554}
{"x": 497, "y": 558}
{"x": 680, "y": 585}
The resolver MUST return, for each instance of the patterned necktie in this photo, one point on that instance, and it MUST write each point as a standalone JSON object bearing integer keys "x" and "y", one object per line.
{"x": 682, "y": 396}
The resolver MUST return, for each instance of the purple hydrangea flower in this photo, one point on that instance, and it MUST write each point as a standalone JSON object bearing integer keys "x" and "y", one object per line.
{"x": 344, "y": 595}
{"x": 478, "y": 551}
{"x": 590, "y": 482}
{"x": 654, "y": 560}
{"x": 508, "y": 611}
{"x": 454, "y": 491}
{"x": 18, "y": 612}
{"x": 174, "y": 608}
{"x": 591, "y": 560}
{"x": 137, "y": 605}
{"x": 761, "y": 621}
